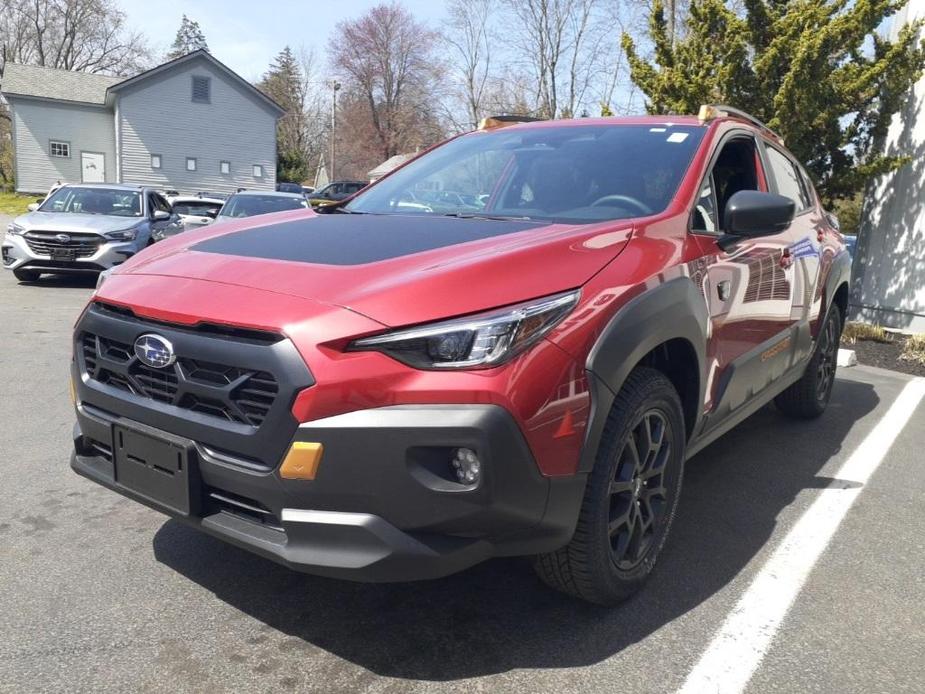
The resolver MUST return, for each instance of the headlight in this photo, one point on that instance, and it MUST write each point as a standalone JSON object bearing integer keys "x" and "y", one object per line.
{"x": 14, "y": 229}
{"x": 124, "y": 235}
{"x": 478, "y": 341}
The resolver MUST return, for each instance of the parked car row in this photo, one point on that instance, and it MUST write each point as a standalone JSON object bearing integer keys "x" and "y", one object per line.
{"x": 94, "y": 227}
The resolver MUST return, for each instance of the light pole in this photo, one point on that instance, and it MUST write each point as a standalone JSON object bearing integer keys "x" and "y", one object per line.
{"x": 335, "y": 85}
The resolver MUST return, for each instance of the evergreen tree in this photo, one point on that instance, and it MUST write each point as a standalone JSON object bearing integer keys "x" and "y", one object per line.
{"x": 189, "y": 38}
{"x": 284, "y": 83}
{"x": 815, "y": 71}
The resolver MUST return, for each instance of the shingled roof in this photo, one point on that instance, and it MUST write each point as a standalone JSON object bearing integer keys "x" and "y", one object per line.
{"x": 49, "y": 83}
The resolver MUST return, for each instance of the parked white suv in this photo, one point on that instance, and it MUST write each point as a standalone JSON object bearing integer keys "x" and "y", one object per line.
{"x": 85, "y": 228}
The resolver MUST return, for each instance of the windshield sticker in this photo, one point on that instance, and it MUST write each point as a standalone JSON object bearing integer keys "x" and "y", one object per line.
{"x": 677, "y": 137}
{"x": 657, "y": 130}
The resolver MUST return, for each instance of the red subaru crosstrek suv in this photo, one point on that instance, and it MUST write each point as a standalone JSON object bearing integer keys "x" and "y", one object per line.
{"x": 508, "y": 346}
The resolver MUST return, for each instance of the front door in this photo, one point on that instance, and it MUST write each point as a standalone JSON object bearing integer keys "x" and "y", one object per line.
{"x": 92, "y": 167}
{"x": 748, "y": 287}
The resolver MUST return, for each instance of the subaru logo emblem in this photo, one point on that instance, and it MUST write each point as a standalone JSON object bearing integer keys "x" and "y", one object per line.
{"x": 63, "y": 238}
{"x": 154, "y": 351}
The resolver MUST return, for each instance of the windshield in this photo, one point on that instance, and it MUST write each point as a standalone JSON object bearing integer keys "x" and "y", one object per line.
{"x": 106, "y": 201}
{"x": 573, "y": 174}
{"x": 196, "y": 208}
{"x": 250, "y": 205}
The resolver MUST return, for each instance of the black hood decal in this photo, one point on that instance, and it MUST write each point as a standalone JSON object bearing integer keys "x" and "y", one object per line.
{"x": 354, "y": 239}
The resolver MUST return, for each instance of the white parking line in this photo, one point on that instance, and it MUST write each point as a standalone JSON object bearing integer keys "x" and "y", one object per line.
{"x": 745, "y": 637}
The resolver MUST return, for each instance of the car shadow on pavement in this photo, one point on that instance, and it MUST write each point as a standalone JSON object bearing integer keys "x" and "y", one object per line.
{"x": 497, "y": 616}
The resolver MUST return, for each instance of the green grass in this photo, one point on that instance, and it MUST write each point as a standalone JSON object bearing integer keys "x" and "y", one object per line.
{"x": 15, "y": 204}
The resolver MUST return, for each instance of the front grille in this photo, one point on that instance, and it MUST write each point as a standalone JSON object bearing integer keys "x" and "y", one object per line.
{"x": 227, "y": 392}
{"x": 47, "y": 242}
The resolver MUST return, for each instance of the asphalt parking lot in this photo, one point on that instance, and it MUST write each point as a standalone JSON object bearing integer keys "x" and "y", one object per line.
{"x": 102, "y": 594}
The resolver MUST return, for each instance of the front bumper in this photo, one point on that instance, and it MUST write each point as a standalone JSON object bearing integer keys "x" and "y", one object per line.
{"x": 384, "y": 505}
{"x": 16, "y": 255}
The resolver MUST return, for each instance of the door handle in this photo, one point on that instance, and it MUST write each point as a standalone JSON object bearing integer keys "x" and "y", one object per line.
{"x": 722, "y": 290}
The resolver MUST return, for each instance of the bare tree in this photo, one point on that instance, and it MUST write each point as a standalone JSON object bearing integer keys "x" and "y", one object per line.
{"x": 389, "y": 59}
{"x": 81, "y": 35}
{"x": 628, "y": 16}
{"x": 470, "y": 39}
{"x": 315, "y": 108}
{"x": 560, "y": 42}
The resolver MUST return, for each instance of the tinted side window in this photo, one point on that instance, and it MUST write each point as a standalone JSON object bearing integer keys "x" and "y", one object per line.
{"x": 733, "y": 170}
{"x": 789, "y": 182}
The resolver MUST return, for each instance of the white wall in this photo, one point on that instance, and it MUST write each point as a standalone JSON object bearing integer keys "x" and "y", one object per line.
{"x": 35, "y": 123}
{"x": 889, "y": 265}
{"x": 159, "y": 117}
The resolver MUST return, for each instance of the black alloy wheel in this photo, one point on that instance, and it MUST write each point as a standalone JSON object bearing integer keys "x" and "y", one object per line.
{"x": 638, "y": 497}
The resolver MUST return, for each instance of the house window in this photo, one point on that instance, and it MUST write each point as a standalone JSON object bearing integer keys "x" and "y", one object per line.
{"x": 258, "y": 171}
{"x": 155, "y": 161}
{"x": 57, "y": 148}
{"x": 225, "y": 167}
{"x": 202, "y": 89}
{"x": 191, "y": 163}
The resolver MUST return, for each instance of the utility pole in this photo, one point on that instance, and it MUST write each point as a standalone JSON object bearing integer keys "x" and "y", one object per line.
{"x": 335, "y": 85}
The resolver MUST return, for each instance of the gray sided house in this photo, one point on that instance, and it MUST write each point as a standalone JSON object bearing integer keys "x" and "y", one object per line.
{"x": 188, "y": 125}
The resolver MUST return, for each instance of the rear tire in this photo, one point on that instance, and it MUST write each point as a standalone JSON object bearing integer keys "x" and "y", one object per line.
{"x": 808, "y": 397}
{"x": 27, "y": 275}
{"x": 630, "y": 499}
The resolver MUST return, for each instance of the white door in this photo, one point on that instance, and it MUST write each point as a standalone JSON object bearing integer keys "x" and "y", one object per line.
{"x": 92, "y": 167}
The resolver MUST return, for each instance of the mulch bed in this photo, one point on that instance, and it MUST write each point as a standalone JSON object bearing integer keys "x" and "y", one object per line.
{"x": 885, "y": 355}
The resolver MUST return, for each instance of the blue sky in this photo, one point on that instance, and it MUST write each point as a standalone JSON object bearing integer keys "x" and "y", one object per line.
{"x": 246, "y": 35}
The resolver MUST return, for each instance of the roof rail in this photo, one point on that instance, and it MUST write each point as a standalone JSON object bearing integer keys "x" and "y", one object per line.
{"x": 710, "y": 112}
{"x": 492, "y": 122}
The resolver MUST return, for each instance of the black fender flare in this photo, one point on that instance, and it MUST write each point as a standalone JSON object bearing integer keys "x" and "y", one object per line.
{"x": 675, "y": 309}
{"x": 839, "y": 274}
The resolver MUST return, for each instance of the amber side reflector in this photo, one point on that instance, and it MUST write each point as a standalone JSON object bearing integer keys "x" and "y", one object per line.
{"x": 72, "y": 389}
{"x": 302, "y": 461}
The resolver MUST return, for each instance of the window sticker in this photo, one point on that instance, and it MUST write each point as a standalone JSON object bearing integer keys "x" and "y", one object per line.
{"x": 677, "y": 137}
{"x": 657, "y": 130}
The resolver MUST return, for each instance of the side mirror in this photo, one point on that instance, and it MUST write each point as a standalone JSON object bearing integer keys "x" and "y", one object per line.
{"x": 160, "y": 216}
{"x": 212, "y": 213}
{"x": 753, "y": 213}
{"x": 32, "y": 206}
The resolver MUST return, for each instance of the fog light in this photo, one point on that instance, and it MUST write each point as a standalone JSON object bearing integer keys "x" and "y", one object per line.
{"x": 467, "y": 465}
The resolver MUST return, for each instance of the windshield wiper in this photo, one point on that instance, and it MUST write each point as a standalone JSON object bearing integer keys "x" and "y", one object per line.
{"x": 496, "y": 217}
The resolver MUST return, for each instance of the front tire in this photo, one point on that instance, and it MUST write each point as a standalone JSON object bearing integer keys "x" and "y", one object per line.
{"x": 27, "y": 275}
{"x": 808, "y": 397}
{"x": 631, "y": 497}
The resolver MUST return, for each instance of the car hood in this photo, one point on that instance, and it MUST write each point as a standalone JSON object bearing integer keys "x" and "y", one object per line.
{"x": 72, "y": 222}
{"x": 394, "y": 269}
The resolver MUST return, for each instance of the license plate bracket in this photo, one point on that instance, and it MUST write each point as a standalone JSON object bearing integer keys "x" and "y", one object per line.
{"x": 156, "y": 465}
{"x": 63, "y": 254}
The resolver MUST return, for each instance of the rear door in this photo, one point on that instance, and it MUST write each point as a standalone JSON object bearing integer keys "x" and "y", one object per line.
{"x": 786, "y": 178}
